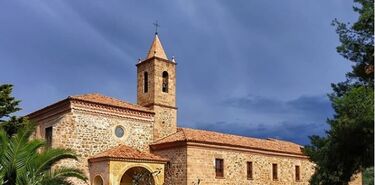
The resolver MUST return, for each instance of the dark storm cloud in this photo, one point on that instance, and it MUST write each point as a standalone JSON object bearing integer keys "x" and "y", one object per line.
{"x": 295, "y": 119}
{"x": 313, "y": 106}
{"x": 280, "y": 52}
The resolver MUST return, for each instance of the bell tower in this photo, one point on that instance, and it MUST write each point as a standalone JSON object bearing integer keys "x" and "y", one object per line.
{"x": 156, "y": 88}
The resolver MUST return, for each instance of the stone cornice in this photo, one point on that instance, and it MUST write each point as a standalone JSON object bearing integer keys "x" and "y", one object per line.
{"x": 160, "y": 105}
{"x": 157, "y": 58}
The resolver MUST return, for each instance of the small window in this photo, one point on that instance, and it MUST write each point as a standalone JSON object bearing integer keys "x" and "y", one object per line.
{"x": 48, "y": 136}
{"x": 219, "y": 167}
{"x": 249, "y": 170}
{"x": 274, "y": 172}
{"x": 119, "y": 131}
{"x": 145, "y": 82}
{"x": 165, "y": 82}
{"x": 297, "y": 173}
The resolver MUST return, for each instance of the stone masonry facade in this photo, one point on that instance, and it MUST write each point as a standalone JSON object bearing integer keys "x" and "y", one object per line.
{"x": 111, "y": 137}
{"x": 193, "y": 164}
{"x": 89, "y": 132}
{"x": 235, "y": 171}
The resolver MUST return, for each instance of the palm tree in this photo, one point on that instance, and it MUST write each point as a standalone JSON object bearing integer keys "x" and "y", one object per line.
{"x": 25, "y": 161}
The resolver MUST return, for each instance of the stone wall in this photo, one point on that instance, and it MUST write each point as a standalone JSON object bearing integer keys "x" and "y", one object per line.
{"x": 176, "y": 169}
{"x": 201, "y": 165}
{"x": 165, "y": 121}
{"x": 155, "y": 68}
{"x": 161, "y": 97}
{"x": 145, "y": 98}
{"x": 91, "y": 133}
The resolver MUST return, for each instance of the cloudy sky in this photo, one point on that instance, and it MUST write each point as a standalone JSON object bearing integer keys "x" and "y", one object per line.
{"x": 247, "y": 67}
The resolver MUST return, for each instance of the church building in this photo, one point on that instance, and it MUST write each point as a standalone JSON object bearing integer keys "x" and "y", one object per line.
{"x": 122, "y": 143}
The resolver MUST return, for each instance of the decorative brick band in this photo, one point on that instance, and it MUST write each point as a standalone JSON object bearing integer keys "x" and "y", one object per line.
{"x": 111, "y": 110}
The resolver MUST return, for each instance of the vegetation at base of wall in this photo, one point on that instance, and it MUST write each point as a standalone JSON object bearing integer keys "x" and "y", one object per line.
{"x": 27, "y": 161}
{"x": 348, "y": 147}
{"x": 368, "y": 176}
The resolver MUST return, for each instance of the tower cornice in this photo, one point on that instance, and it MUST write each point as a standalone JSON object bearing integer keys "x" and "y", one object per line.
{"x": 156, "y": 58}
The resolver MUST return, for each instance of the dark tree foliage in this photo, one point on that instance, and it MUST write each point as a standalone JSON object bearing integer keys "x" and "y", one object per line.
{"x": 357, "y": 43}
{"x": 348, "y": 147}
{"x": 9, "y": 105}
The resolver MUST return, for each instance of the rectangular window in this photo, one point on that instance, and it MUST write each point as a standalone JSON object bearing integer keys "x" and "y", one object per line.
{"x": 274, "y": 172}
{"x": 48, "y": 136}
{"x": 249, "y": 170}
{"x": 298, "y": 175}
{"x": 219, "y": 167}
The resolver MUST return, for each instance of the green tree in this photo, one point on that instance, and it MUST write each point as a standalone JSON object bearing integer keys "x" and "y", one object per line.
{"x": 25, "y": 161}
{"x": 8, "y": 106}
{"x": 357, "y": 43}
{"x": 348, "y": 147}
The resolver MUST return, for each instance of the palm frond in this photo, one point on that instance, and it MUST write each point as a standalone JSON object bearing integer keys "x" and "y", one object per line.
{"x": 48, "y": 158}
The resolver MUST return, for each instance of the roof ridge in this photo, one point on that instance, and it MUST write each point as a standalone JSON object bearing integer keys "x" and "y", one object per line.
{"x": 166, "y": 136}
{"x": 122, "y": 151}
{"x": 184, "y": 134}
{"x": 84, "y": 94}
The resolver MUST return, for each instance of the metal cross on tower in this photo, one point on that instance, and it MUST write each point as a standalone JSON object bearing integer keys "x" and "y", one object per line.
{"x": 156, "y": 24}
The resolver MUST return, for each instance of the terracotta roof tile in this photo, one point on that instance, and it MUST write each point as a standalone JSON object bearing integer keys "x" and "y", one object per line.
{"x": 126, "y": 152}
{"x": 101, "y": 99}
{"x": 209, "y": 137}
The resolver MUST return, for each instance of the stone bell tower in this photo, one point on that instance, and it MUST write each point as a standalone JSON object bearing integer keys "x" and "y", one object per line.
{"x": 156, "y": 88}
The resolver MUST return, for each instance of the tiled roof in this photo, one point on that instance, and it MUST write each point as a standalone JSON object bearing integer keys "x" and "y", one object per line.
{"x": 101, "y": 99}
{"x": 126, "y": 152}
{"x": 216, "y": 138}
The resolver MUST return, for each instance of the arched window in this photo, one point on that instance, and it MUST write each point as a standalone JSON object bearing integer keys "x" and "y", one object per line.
{"x": 145, "y": 82}
{"x": 98, "y": 180}
{"x": 165, "y": 82}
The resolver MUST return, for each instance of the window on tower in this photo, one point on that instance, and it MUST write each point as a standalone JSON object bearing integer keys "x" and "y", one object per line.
{"x": 165, "y": 82}
{"x": 145, "y": 82}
